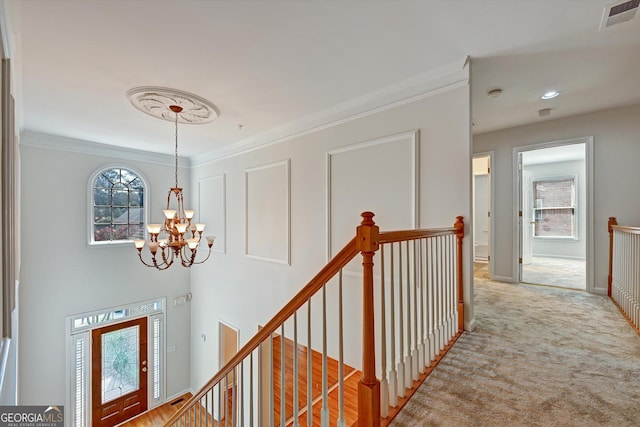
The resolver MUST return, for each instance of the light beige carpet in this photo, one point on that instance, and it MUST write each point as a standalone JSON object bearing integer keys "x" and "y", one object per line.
{"x": 540, "y": 356}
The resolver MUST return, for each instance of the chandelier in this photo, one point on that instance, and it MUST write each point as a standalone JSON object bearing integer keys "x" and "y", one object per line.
{"x": 178, "y": 238}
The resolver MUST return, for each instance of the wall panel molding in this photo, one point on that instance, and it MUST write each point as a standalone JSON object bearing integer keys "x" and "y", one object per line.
{"x": 212, "y": 209}
{"x": 355, "y": 183}
{"x": 268, "y": 212}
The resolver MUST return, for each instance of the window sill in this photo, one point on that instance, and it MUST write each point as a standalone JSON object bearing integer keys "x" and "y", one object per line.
{"x": 556, "y": 238}
{"x": 111, "y": 244}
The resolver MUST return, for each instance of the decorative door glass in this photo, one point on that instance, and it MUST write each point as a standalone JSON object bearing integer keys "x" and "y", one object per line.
{"x": 120, "y": 364}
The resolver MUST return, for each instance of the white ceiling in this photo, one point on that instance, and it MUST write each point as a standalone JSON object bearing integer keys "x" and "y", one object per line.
{"x": 272, "y": 66}
{"x": 562, "y": 153}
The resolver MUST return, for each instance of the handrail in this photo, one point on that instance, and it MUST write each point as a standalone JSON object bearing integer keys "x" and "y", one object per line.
{"x": 626, "y": 229}
{"x": 402, "y": 235}
{"x": 340, "y": 260}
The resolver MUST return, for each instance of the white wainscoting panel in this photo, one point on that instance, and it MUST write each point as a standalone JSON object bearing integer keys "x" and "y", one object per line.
{"x": 381, "y": 176}
{"x": 267, "y": 212}
{"x": 213, "y": 212}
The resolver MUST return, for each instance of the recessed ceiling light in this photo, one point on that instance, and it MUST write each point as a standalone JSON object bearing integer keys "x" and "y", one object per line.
{"x": 550, "y": 95}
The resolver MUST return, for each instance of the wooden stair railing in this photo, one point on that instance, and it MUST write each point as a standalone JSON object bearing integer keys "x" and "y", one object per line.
{"x": 624, "y": 270}
{"x": 426, "y": 281}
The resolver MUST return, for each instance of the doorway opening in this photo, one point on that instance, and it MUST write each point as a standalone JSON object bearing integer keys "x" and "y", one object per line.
{"x": 482, "y": 217}
{"x": 115, "y": 363}
{"x": 554, "y": 214}
{"x": 229, "y": 341}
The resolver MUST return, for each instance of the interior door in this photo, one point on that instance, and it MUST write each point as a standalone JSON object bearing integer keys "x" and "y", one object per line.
{"x": 481, "y": 218}
{"x": 528, "y": 220}
{"x": 520, "y": 196}
{"x": 119, "y": 372}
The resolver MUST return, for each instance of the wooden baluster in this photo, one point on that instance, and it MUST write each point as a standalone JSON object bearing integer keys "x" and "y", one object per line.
{"x": 393, "y": 375}
{"x": 324, "y": 412}
{"x": 227, "y": 415}
{"x": 459, "y": 226}
{"x": 401, "y": 356}
{"x": 612, "y": 221}
{"x": 422, "y": 334}
{"x": 241, "y": 393}
{"x": 234, "y": 399}
{"x": 260, "y": 388}
{"x": 220, "y": 405}
{"x": 296, "y": 421}
{"x": 434, "y": 299}
{"x": 452, "y": 319}
{"x": 636, "y": 280}
{"x": 430, "y": 297}
{"x": 283, "y": 395}
{"x": 309, "y": 369}
{"x": 272, "y": 390}
{"x": 384, "y": 384}
{"x": 414, "y": 355}
{"x": 408, "y": 363}
{"x": 369, "y": 386}
{"x": 438, "y": 290}
{"x": 341, "y": 420}
{"x": 251, "y": 391}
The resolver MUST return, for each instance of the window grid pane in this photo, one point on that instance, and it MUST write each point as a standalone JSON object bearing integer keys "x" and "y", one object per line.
{"x": 554, "y": 213}
{"x": 80, "y": 391}
{"x": 156, "y": 359}
{"x": 118, "y": 206}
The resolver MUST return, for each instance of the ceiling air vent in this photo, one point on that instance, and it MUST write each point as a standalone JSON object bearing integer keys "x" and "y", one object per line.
{"x": 618, "y": 12}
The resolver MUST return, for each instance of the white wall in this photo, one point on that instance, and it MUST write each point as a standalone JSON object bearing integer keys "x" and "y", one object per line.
{"x": 616, "y": 155}
{"x": 62, "y": 276}
{"x": 247, "y": 292}
{"x": 567, "y": 248}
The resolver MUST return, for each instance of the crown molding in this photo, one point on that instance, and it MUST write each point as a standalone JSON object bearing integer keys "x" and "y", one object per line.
{"x": 61, "y": 143}
{"x": 428, "y": 84}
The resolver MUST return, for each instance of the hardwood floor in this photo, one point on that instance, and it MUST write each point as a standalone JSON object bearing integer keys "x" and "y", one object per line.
{"x": 158, "y": 416}
{"x": 316, "y": 379}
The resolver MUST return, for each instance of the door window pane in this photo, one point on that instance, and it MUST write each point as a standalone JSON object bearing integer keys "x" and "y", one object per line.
{"x": 120, "y": 374}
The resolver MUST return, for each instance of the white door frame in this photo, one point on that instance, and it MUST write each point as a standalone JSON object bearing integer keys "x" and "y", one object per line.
{"x": 517, "y": 204}
{"x": 492, "y": 208}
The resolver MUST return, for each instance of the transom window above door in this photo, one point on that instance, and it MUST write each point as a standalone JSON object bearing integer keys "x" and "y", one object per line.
{"x": 117, "y": 206}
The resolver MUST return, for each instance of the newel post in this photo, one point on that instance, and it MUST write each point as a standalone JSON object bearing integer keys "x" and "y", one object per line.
{"x": 612, "y": 221}
{"x": 369, "y": 385}
{"x": 459, "y": 226}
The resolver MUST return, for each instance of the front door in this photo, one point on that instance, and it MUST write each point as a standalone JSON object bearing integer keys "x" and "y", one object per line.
{"x": 119, "y": 372}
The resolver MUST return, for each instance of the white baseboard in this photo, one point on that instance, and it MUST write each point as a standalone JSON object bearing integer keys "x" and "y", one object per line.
{"x": 601, "y": 291}
{"x": 471, "y": 325}
{"x": 503, "y": 279}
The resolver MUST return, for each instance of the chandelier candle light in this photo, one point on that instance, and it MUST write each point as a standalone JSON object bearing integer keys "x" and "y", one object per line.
{"x": 177, "y": 238}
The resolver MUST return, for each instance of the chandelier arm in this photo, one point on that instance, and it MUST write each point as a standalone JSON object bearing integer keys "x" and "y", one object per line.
{"x": 201, "y": 261}
{"x": 184, "y": 260}
{"x": 162, "y": 266}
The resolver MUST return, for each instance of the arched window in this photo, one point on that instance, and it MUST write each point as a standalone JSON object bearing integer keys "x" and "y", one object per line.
{"x": 117, "y": 208}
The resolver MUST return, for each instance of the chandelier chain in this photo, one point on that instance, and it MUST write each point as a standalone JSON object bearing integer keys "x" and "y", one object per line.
{"x": 176, "y": 150}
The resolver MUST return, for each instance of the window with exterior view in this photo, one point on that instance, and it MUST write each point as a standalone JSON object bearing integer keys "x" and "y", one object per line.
{"x": 118, "y": 206}
{"x": 554, "y": 207}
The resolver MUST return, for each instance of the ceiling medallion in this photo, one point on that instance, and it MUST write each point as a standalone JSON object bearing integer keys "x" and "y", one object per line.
{"x": 156, "y": 101}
